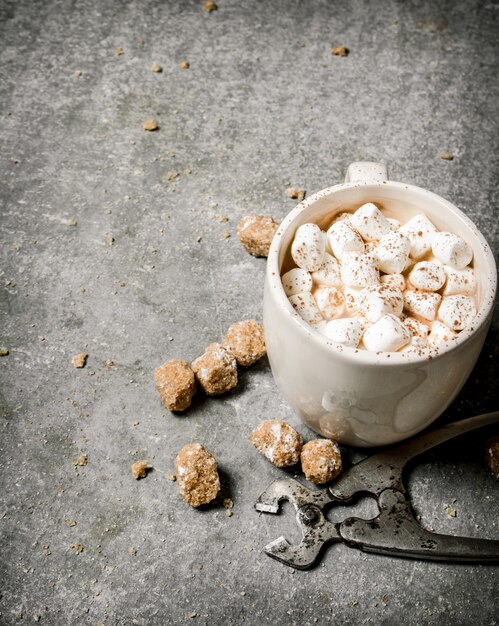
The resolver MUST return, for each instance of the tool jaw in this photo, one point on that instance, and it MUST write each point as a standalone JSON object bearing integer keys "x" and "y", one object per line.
{"x": 316, "y": 529}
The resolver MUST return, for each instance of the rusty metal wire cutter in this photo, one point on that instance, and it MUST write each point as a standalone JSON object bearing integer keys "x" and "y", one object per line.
{"x": 394, "y": 531}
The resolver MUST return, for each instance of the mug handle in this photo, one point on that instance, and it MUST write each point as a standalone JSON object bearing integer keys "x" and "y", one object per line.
{"x": 366, "y": 172}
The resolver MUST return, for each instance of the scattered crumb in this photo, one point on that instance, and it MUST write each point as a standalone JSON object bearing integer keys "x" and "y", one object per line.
{"x": 4, "y": 352}
{"x": 171, "y": 175}
{"x": 340, "y": 51}
{"x": 77, "y": 73}
{"x": 256, "y": 232}
{"x": 109, "y": 363}
{"x": 229, "y": 513}
{"x": 446, "y": 156}
{"x": 199, "y": 238}
{"x": 228, "y": 504}
{"x": 223, "y": 218}
{"x": 156, "y": 68}
{"x": 79, "y": 360}
{"x": 278, "y": 442}
{"x": 226, "y": 234}
{"x": 140, "y": 469}
{"x": 110, "y": 239}
{"x": 451, "y": 512}
{"x": 122, "y": 283}
{"x": 119, "y": 51}
{"x": 193, "y": 614}
{"x": 81, "y": 461}
{"x": 209, "y": 6}
{"x": 188, "y": 170}
{"x": 197, "y": 476}
{"x": 246, "y": 342}
{"x": 69, "y": 522}
{"x": 176, "y": 384}
{"x": 296, "y": 192}
{"x": 492, "y": 456}
{"x": 132, "y": 551}
{"x": 184, "y": 65}
{"x": 150, "y": 125}
{"x": 135, "y": 423}
{"x": 77, "y": 548}
{"x": 172, "y": 477}
{"x": 73, "y": 222}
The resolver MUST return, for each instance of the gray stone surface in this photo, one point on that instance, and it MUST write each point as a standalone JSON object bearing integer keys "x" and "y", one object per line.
{"x": 263, "y": 105}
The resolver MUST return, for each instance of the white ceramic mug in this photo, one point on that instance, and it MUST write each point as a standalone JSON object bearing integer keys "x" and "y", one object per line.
{"x": 354, "y": 396}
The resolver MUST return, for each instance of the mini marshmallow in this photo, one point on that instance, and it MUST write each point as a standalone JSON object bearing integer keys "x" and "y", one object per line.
{"x": 306, "y": 307}
{"x": 415, "y": 327}
{"x": 422, "y": 303}
{"x": 346, "y": 217}
{"x": 392, "y": 252}
{"x": 378, "y": 300}
{"x": 396, "y": 281}
{"x": 459, "y": 281}
{"x": 451, "y": 250}
{"x": 296, "y": 281}
{"x": 351, "y": 299}
{"x": 388, "y": 334}
{"x": 320, "y": 326}
{"x": 342, "y": 239}
{"x": 440, "y": 334}
{"x": 359, "y": 270}
{"x": 419, "y": 231}
{"x": 331, "y": 301}
{"x": 428, "y": 276}
{"x": 394, "y": 224}
{"x": 415, "y": 345}
{"x": 308, "y": 247}
{"x": 329, "y": 272}
{"x": 457, "y": 312}
{"x": 370, "y": 222}
{"x": 346, "y": 330}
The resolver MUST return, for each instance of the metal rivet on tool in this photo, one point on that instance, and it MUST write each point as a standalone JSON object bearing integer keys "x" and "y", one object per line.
{"x": 309, "y": 514}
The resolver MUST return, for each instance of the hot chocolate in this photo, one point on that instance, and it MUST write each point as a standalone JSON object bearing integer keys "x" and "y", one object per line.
{"x": 372, "y": 283}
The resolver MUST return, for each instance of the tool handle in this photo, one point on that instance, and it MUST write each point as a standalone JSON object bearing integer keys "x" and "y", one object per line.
{"x": 384, "y": 470}
{"x": 395, "y": 532}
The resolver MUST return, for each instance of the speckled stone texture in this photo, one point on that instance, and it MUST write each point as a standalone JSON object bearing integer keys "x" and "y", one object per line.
{"x": 148, "y": 274}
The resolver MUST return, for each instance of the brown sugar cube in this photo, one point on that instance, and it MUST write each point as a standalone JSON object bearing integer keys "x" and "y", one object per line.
{"x": 492, "y": 456}
{"x": 278, "y": 442}
{"x": 79, "y": 360}
{"x": 216, "y": 370}
{"x": 296, "y": 193}
{"x": 246, "y": 342}
{"x": 197, "y": 475}
{"x": 176, "y": 384}
{"x": 321, "y": 460}
{"x": 256, "y": 232}
{"x": 139, "y": 469}
{"x": 150, "y": 125}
